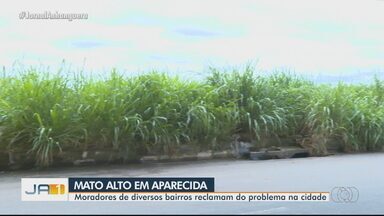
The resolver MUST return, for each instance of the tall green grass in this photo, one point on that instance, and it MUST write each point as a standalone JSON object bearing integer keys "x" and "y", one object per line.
{"x": 43, "y": 114}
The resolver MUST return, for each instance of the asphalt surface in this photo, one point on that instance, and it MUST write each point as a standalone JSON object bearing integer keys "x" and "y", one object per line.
{"x": 362, "y": 171}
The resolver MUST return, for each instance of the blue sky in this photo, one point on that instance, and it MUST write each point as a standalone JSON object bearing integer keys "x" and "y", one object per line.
{"x": 330, "y": 38}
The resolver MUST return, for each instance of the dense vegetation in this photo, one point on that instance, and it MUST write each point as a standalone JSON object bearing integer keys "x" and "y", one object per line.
{"x": 153, "y": 113}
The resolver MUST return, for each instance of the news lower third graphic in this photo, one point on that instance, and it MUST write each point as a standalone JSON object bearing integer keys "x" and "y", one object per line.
{"x": 162, "y": 189}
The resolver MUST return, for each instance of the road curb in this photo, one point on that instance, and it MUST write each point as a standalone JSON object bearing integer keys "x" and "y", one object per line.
{"x": 209, "y": 155}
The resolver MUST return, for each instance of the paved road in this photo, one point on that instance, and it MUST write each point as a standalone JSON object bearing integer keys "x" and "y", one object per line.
{"x": 363, "y": 171}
